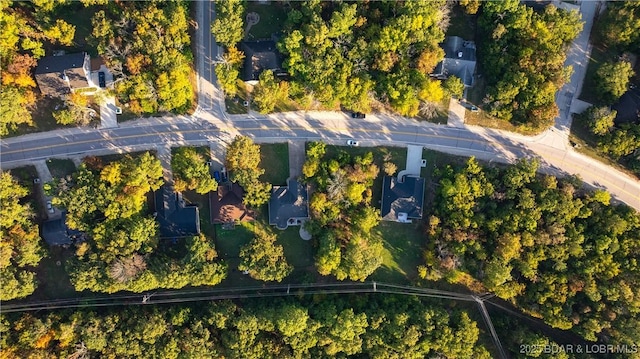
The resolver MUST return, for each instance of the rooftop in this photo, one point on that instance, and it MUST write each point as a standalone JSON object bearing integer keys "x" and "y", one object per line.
{"x": 459, "y": 60}
{"x": 288, "y": 204}
{"x": 402, "y": 201}
{"x": 56, "y": 233}
{"x": 227, "y": 205}
{"x": 176, "y": 219}
{"x": 53, "y": 72}
{"x": 260, "y": 55}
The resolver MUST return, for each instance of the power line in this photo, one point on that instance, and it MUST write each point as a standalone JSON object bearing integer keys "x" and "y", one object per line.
{"x": 277, "y": 290}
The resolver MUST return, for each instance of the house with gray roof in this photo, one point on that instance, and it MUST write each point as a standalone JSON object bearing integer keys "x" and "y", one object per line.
{"x": 56, "y": 233}
{"x": 459, "y": 60}
{"x": 402, "y": 198}
{"x": 60, "y": 75}
{"x": 260, "y": 55}
{"x": 288, "y": 205}
{"x": 175, "y": 218}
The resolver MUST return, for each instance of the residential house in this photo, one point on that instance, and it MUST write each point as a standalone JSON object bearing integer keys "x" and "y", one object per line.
{"x": 260, "y": 55}
{"x": 402, "y": 198}
{"x": 175, "y": 217}
{"x": 459, "y": 60}
{"x": 56, "y": 233}
{"x": 227, "y": 205}
{"x": 60, "y": 75}
{"x": 288, "y": 205}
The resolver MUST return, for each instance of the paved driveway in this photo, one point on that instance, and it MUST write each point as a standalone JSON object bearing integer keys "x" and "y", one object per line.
{"x": 456, "y": 114}
{"x": 108, "y": 118}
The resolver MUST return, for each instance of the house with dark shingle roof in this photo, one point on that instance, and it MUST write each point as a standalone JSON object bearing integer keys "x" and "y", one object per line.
{"x": 288, "y": 205}
{"x": 60, "y": 75}
{"x": 259, "y": 56}
{"x": 175, "y": 218}
{"x": 227, "y": 205}
{"x": 402, "y": 199}
{"x": 459, "y": 60}
{"x": 56, "y": 233}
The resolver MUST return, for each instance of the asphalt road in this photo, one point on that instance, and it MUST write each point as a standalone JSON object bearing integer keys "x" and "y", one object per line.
{"x": 210, "y": 123}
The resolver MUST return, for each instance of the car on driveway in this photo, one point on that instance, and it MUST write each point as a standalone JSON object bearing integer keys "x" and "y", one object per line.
{"x": 101, "y": 81}
{"x": 216, "y": 176}
{"x": 352, "y": 143}
{"x": 50, "y": 207}
{"x": 358, "y": 115}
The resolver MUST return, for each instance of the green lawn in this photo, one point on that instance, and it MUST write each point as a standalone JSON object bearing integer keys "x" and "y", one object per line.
{"x": 60, "y": 168}
{"x": 272, "y": 18}
{"x": 274, "y": 159}
{"x": 299, "y": 253}
{"x": 402, "y": 254}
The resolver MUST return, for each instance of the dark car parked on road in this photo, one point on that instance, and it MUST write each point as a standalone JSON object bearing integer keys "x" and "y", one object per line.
{"x": 358, "y": 115}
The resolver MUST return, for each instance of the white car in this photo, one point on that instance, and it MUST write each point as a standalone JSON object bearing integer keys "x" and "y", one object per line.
{"x": 352, "y": 143}
{"x": 50, "y": 207}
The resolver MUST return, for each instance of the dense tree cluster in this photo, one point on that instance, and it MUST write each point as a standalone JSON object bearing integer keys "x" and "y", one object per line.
{"x": 522, "y": 53}
{"x": 350, "y": 53}
{"x": 342, "y": 217}
{"x": 372, "y": 326}
{"x": 121, "y": 249}
{"x": 147, "y": 45}
{"x": 619, "y": 25}
{"x": 191, "y": 172}
{"x": 269, "y": 92}
{"x": 557, "y": 251}
{"x": 228, "y": 29}
{"x": 263, "y": 259}
{"x": 620, "y": 142}
{"x": 613, "y": 80}
{"x": 243, "y": 164}
{"x": 20, "y": 248}
{"x": 25, "y": 29}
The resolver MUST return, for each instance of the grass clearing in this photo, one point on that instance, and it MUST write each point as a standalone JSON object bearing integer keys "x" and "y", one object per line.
{"x": 402, "y": 254}
{"x": 299, "y": 253}
{"x": 274, "y": 159}
{"x": 60, "y": 168}
{"x": 272, "y": 18}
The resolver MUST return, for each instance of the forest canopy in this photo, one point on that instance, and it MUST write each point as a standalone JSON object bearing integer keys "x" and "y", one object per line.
{"x": 374, "y": 326}
{"x": 20, "y": 247}
{"x": 122, "y": 250}
{"x": 558, "y": 251}
{"x": 522, "y": 54}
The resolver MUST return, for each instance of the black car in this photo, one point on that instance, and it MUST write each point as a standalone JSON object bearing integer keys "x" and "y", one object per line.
{"x": 101, "y": 80}
{"x": 358, "y": 115}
